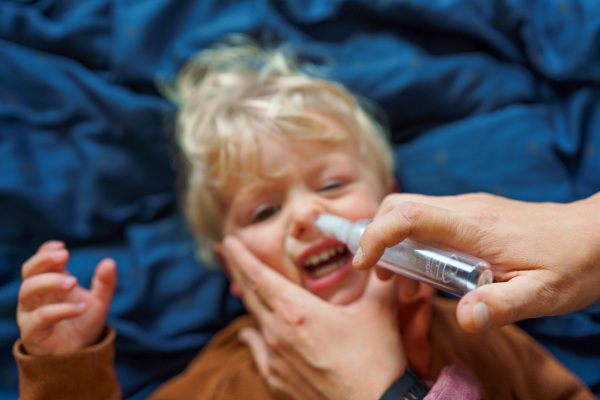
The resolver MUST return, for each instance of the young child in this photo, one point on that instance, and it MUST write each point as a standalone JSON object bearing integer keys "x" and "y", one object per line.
{"x": 268, "y": 148}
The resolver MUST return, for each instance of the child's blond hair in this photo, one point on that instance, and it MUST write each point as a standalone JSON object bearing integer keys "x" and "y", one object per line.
{"x": 233, "y": 93}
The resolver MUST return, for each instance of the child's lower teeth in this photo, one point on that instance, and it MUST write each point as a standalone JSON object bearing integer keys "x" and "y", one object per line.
{"x": 327, "y": 269}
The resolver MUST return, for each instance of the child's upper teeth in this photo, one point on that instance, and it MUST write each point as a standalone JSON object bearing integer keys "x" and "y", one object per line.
{"x": 322, "y": 256}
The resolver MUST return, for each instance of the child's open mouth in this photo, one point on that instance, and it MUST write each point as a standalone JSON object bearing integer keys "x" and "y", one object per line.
{"x": 326, "y": 261}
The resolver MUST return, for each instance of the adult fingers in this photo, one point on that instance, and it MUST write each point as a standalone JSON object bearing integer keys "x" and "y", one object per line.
{"x": 252, "y": 338}
{"x": 502, "y": 303}
{"x": 264, "y": 288}
{"x": 392, "y": 200}
{"x": 43, "y": 289}
{"x": 455, "y": 202}
{"x": 247, "y": 272}
{"x": 280, "y": 377}
{"x": 47, "y": 260}
{"x": 417, "y": 220}
{"x": 268, "y": 294}
{"x": 104, "y": 280}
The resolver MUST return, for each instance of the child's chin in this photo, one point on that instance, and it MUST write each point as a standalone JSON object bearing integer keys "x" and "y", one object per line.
{"x": 345, "y": 296}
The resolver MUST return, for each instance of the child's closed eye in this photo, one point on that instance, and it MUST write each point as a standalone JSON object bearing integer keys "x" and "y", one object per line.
{"x": 332, "y": 185}
{"x": 263, "y": 213}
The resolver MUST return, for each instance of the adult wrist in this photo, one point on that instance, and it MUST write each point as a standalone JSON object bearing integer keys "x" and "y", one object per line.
{"x": 408, "y": 386}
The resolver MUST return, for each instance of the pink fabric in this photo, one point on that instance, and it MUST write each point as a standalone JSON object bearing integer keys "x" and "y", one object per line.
{"x": 454, "y": 383}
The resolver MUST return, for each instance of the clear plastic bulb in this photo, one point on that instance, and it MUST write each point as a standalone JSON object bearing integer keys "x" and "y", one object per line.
{"x": 449, "y": 270}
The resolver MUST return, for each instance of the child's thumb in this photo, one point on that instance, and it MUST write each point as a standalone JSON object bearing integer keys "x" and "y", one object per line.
{"x": 104, "y": 281}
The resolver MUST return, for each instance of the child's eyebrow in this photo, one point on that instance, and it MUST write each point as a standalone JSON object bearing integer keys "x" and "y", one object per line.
{"x": 257, "y": 187}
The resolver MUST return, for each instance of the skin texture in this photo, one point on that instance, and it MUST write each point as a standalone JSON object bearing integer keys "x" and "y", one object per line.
{"x": 302, "y": 347}
{"x": 55, "y": 314}
{"x": 274, "y": 217}
{"x": 545, "y": 256}
{"x": 309, "y": 349}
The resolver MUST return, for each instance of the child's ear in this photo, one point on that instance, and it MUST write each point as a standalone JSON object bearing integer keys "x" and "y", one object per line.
{"x": 234, "y": 288}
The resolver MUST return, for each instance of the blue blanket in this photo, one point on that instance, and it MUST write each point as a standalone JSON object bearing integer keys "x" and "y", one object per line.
{"x": 500, "y": 97}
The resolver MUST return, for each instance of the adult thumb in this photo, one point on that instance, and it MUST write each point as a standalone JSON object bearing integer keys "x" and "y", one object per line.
{"x": 501, "y": 303}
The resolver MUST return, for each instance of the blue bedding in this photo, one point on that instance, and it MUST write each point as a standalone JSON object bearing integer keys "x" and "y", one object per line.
{"x": 500, "y": 96}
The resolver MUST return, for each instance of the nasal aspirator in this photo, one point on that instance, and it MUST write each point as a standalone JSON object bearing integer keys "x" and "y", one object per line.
{"x": 445, "y": 269}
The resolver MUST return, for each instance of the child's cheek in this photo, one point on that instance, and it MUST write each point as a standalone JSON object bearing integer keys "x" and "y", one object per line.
{"x": 359, "y": 207}
{"x": 265, "y": 246}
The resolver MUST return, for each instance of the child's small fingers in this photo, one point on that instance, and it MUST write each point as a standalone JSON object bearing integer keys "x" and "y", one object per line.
{"x": 49, "y": 260}
{"x": 104, "y": 281}
{"x": 50, "y": 314}
{"x": 43, "y": 289}
{"x": 52, "y": 245}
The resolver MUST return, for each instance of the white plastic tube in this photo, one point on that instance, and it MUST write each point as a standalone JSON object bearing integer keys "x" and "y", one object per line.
{"x": 451, "y": 271}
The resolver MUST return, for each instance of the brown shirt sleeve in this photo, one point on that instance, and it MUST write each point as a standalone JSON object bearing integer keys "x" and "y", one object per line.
{"x": 507, "y": 362}
{"x": 85, "y": 375}
{"x": 224, "y": 370}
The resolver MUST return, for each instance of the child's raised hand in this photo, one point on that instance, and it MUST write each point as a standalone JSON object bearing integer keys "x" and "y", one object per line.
{"x": 55, "y": 314}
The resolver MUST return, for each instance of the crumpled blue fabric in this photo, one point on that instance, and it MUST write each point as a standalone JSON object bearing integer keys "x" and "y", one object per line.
{"x": 499, "y": 97}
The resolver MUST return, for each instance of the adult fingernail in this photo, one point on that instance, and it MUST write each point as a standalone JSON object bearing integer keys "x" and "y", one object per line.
{"x": 358, "y": 256}
{"x": 481, "y": 315}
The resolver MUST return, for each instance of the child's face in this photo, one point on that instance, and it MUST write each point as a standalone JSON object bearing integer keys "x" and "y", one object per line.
{"x": 274, "y": 217}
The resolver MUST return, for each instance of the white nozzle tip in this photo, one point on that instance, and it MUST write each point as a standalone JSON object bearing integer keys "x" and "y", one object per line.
{"x": 333, "y": 226}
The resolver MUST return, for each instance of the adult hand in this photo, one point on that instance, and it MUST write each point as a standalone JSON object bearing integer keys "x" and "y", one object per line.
{"x": 545, "y": 256}
{"x": 310, "y": 349}
{"x": 55, "y": 315}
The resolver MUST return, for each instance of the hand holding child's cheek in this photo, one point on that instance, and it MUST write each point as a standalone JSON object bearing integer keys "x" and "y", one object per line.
{"x": 310, "y": 349}
{"x": 55, "y": 315}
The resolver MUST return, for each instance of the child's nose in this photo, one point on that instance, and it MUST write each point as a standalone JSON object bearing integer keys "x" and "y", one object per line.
{"x": 303, "y": 219}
